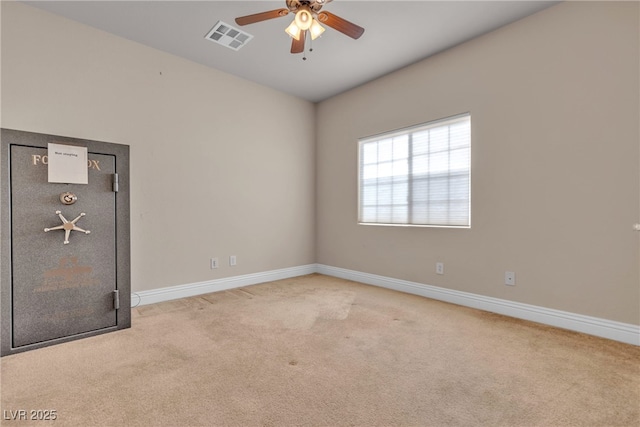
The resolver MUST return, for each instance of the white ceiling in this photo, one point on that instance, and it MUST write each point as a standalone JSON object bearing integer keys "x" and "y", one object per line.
{"x": 397, "y": 33}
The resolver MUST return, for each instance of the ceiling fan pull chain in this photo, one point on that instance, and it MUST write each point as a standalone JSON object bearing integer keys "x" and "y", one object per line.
{"x": 304, "y": 52}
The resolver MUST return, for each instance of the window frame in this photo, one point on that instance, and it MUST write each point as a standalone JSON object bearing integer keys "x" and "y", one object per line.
{"x": 408, "y": 131}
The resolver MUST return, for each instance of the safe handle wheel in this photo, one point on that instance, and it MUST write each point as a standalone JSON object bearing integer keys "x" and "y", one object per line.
{"x": 67, "y": 226}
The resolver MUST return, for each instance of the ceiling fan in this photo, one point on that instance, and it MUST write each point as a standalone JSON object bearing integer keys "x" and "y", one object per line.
{"x": 307, "y": 21}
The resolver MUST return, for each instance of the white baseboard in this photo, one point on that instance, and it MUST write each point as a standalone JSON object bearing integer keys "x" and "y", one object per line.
{"x": 192, "y": 289}
{"x": 616, "y": 331}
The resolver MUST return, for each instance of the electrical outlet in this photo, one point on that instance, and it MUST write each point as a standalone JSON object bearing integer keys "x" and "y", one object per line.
{"x": 439, "y": 268}
{"x": 214, "y": 263}
{"x": 232, "y": 260}
{"x": 509, "y": 278}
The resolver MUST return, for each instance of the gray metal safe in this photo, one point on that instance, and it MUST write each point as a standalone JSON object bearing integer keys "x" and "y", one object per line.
{"x": 65, "y": 268}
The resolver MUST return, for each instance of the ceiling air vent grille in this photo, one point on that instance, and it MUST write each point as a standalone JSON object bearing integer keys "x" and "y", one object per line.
{"x": 228, "y": 36}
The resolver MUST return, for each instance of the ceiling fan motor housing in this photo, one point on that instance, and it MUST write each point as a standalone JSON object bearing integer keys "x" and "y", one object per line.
{"x": 313, "y": 5}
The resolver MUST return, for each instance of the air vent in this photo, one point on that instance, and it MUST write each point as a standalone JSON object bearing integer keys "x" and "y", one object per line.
{"x": 228, "y": 36}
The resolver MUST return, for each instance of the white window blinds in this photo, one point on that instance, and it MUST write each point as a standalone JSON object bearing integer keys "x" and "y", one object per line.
{"x": 417, "y": 176}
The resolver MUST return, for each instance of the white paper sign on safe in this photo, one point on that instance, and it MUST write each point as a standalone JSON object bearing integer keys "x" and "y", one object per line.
{"x": 68, "y": 164}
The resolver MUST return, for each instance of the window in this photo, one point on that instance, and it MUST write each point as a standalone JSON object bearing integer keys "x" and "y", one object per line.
{"x": 417, "y": 176}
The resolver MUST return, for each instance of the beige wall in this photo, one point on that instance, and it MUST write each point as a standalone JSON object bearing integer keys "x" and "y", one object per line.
{"x": 554, "y": 100}
{"x": 215, "y": 169}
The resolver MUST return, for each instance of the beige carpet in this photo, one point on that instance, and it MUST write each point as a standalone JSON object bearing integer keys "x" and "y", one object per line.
{"x": 320, "y": 351}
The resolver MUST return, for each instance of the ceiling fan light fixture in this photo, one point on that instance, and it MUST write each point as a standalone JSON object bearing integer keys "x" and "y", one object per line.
{"x": 304, "y": 18}
{"x": 316, "y": 29}
{"x": 293, "y": 30}
{"x": 307, "y": 18}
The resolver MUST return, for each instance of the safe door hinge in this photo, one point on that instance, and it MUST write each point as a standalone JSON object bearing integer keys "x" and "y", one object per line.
{"x": 115, "y": 183}
{"x": 116, "y": 299}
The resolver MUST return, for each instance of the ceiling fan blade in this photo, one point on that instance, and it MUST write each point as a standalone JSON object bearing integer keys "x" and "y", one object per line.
{"x": 345, "y": 27}
{"x": 263, "y": 16}
{"x": 297, "y": 46}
